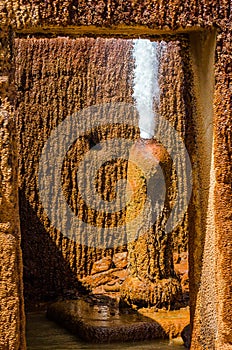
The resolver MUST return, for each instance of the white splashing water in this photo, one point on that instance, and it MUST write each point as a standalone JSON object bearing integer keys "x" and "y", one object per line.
{"x": 146, "y": 84}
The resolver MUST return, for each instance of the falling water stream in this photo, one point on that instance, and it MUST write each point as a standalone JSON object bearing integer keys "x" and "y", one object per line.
{"x": 146, "y": 84}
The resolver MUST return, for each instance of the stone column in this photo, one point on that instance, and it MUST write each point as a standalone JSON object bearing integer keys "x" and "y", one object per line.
{"x": 151, "y": 281}
{"x": 202, "y": 235}
{"x": 12, "y": 322}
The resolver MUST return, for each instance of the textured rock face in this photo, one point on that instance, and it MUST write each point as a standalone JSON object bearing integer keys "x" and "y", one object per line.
{"x": 69, "y": 75}
{"x": 168, "y": 15}
{"x": 54, "y": 79}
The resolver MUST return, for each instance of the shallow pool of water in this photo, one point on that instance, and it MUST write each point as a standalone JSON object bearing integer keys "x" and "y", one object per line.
{"x": 43, "y": 334}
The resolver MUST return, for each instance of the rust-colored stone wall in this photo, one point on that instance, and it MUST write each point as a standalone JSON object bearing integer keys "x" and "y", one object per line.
{"x": 165, "y": 15}
{"x": 12, "y": 321}
{"x": 223, "y": 186}
{"x": 202, "y": 230}
{"x": 54, "y": 79}
{"x": 132, "y": 18}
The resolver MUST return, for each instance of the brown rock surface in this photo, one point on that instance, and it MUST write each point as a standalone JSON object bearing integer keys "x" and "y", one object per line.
{"x": 127, "y": 14}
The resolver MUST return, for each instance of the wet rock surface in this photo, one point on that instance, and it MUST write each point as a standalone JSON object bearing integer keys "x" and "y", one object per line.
{"x": 99, "y": 321}
{"x": 173, "y": 322}
{"x": 43, "y": 334}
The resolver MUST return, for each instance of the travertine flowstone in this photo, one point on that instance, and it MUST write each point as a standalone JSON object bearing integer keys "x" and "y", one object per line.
{"x": 207, "y": 131}
{"x": 56, "y": 78}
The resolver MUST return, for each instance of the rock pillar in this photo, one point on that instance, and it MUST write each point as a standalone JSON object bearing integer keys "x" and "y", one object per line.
{"x": 151, "y": 280}
{"x": 12, "y": 325}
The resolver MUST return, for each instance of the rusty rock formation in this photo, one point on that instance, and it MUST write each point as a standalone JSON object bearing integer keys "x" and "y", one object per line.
{"x": 54, "y": 79}
{"x": 208, "y": 131}
{"x": 151, "y": 281}
{"x": 12, "y": 322}
{"x": 12, "y": 318}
